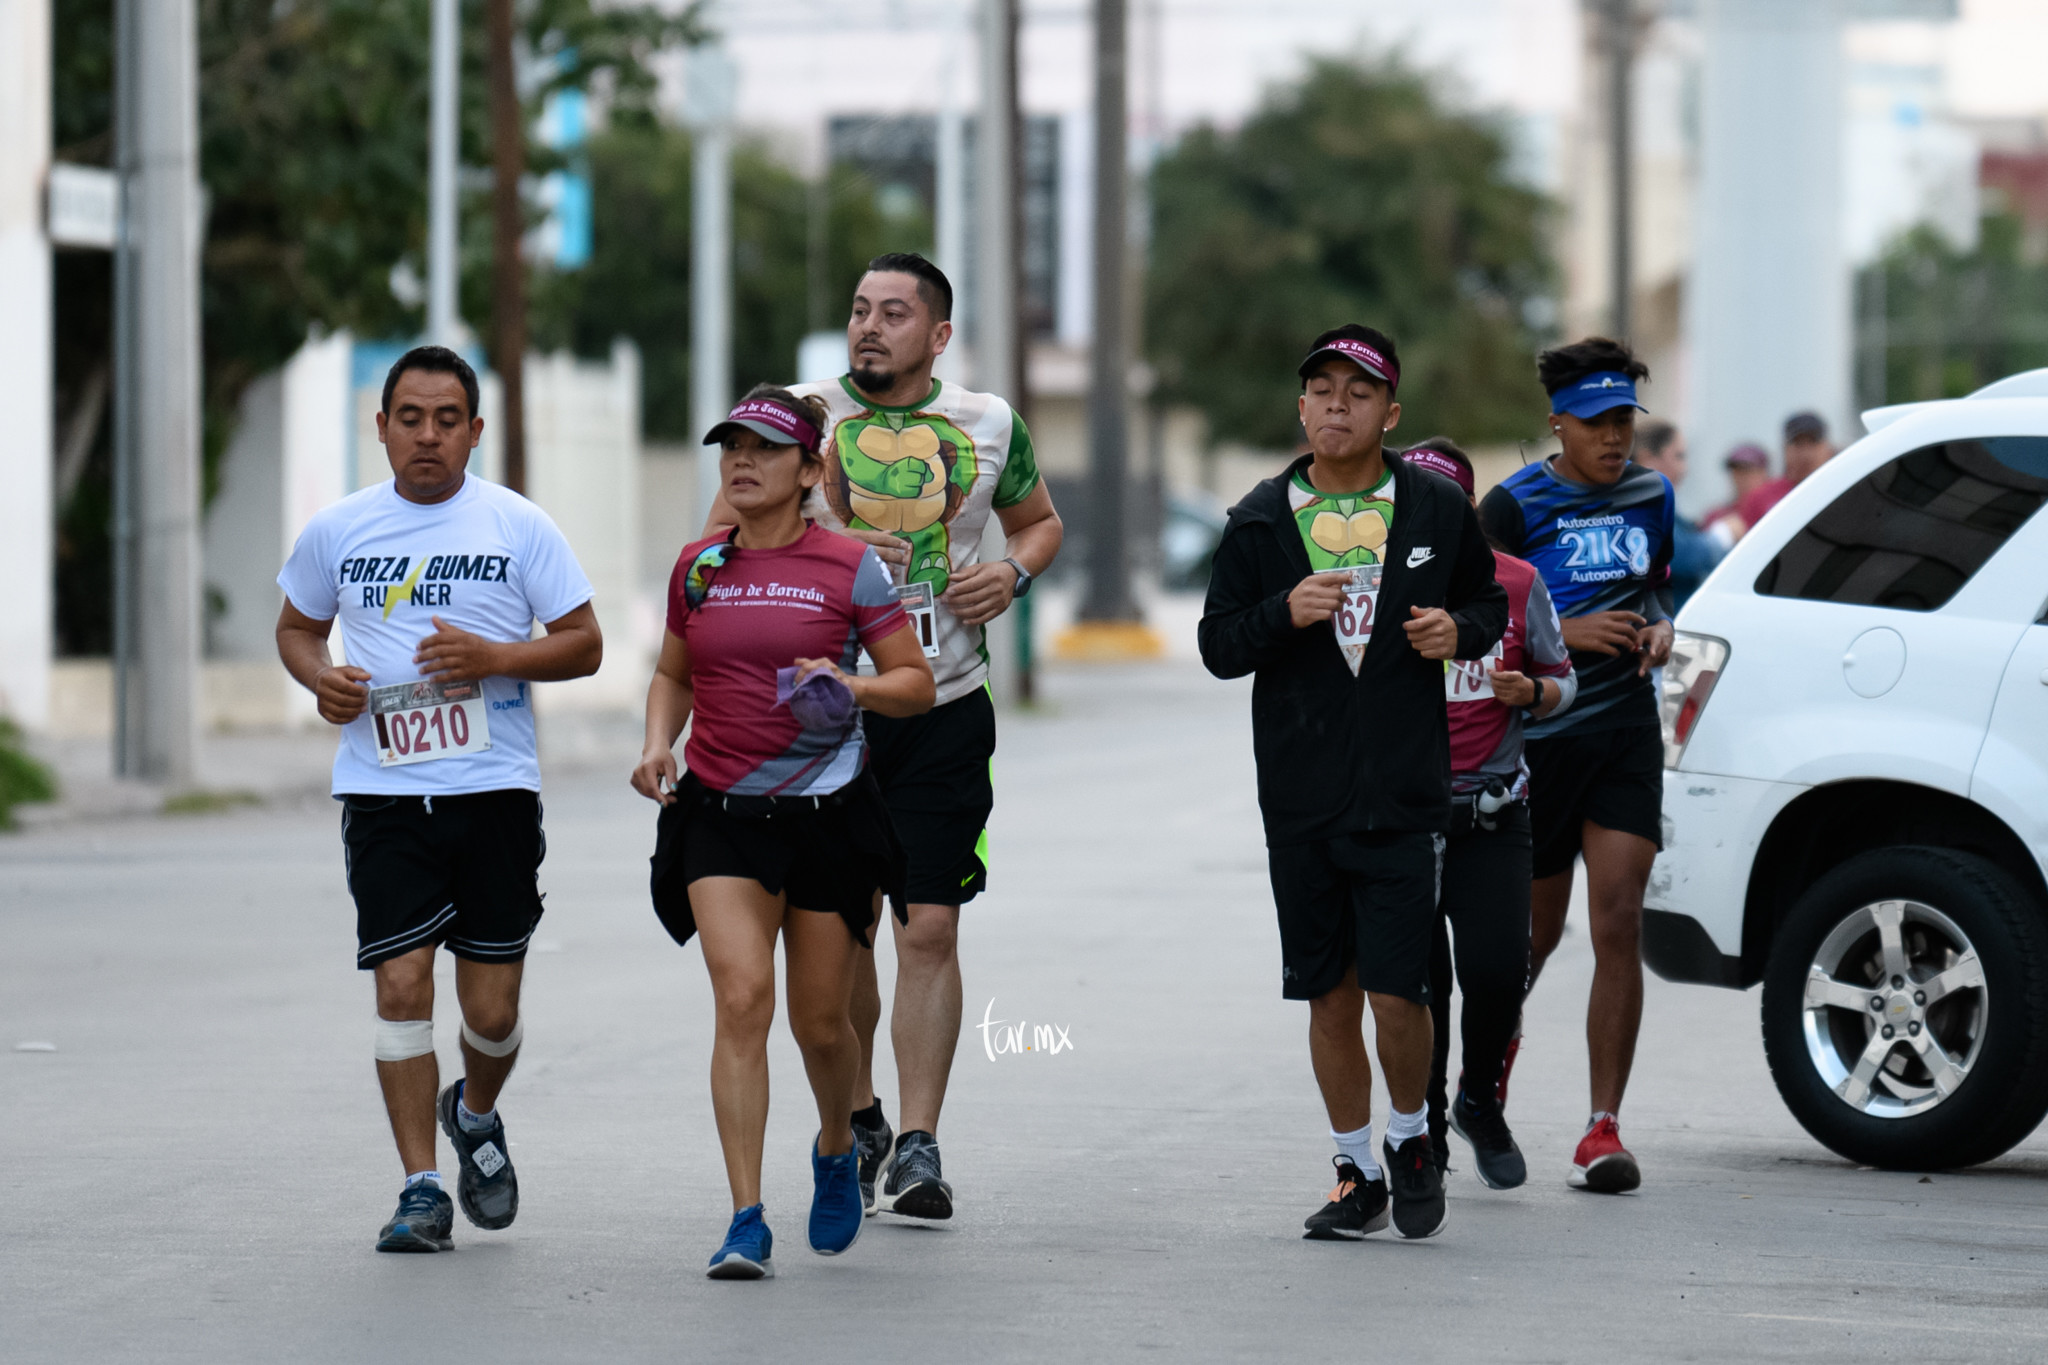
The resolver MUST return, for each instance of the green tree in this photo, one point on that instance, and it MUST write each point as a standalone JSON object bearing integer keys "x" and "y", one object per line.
{"x": 1351, "y": 196}
{"x": 637, "y": 283}
{"x": 313, "y": 151}
{"x": 1935, "y": 322}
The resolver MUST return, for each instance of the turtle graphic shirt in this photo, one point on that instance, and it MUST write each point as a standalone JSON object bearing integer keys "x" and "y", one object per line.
{"x": 1346, "y": 531}
{"x": 930, "y": 473}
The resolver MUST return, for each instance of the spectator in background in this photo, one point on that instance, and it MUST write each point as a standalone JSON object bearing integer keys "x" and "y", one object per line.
{"x": 1749, "y": 468}
{"x": 1694, "y": 550}
{"x": 1807, "y": 448}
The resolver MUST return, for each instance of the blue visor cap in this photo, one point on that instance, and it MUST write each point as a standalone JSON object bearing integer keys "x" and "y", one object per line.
{"x": 1595, "y": 394}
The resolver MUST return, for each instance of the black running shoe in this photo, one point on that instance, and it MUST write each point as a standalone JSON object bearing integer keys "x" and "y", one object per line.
{"x": 1418, "y": 1187}
{"x": 1357, "y": 1206}
{"x": 911, "y": 1184}
{"x": 1494, "y": 1152}
{"x": 425, "y": 1218}
{"x": 873, "y": 1146}
{"x": 487, "y": 1185}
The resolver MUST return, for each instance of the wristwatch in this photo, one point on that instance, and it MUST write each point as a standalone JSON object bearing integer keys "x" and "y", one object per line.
{"x": 1023, "y": 578}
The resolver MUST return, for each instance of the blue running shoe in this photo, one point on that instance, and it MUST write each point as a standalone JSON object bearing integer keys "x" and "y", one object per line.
{"x": 487, "y": 1185}
{"x": 836, "y": 1208}
{"x": 425, "y": 1218}
{"x": 748, "y": 1245}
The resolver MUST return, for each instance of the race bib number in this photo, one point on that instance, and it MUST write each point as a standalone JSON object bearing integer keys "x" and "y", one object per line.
{"x": 1467, "y": 679}
{"x": 1354, "y": 618}
{"x": 418, "y": 722}
{"x": 922, "y": 609}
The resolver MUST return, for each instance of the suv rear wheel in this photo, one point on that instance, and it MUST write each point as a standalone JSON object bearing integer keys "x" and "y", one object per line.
{"x": 1905, "y": 1010}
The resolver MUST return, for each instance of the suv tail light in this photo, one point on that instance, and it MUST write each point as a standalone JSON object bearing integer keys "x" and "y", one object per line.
{"x": 1696, "y": 661}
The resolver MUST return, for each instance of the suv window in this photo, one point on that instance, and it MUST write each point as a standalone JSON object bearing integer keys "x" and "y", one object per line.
{"x": 1911, "y": 533}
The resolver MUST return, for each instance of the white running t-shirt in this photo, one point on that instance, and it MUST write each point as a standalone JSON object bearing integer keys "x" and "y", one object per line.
{"x": 486, "y": 561}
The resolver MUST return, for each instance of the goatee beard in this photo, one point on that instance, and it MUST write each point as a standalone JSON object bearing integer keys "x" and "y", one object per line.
{"x": 873, "y": 381}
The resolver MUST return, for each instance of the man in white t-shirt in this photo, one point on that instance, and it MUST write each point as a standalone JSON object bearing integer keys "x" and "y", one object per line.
{"x": 437, "y": 578}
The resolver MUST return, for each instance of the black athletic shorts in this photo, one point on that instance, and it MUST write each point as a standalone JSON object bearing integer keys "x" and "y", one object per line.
{"x": 831, "y": 855}
{"x": 460, "y": 870}
{"x": 934, "y": 774}
{"x": 1368, "y": 899}
{"x": 1615, "y": 778}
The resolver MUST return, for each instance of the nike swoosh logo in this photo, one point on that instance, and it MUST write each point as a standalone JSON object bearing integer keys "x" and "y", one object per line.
{"x": 1419, "y": 556}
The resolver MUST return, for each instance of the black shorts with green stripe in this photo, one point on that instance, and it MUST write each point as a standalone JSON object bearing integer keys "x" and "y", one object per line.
{"x": 934, "y": 774}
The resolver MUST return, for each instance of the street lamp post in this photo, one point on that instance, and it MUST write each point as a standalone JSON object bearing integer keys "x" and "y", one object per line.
{"x": 709, "y": 90}
{"x": 157, "y": 406}
{"x": 1110, "y": 624}
{"x": 443, "y": 321}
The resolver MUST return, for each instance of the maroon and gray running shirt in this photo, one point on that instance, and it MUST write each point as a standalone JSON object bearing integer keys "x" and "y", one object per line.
{"x": 822, "y": 596}
{"x": 1486, "y": 736}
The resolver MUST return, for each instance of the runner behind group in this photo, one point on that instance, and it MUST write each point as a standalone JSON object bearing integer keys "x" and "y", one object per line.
{"x": 1485, "y": 893}
{"x": 778, "y": 827}
{"x": 1599, "y": 531}
{"x": 437, "y": 578}
{"x": 917, "y": 468}
{"x": 1342, "y": 584}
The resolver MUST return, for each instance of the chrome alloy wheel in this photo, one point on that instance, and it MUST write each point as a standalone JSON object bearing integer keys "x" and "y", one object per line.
{"x": 1895, "y": 1009}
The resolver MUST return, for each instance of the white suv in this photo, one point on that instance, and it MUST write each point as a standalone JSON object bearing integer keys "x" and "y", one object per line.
{"x": 1856, "y": 784}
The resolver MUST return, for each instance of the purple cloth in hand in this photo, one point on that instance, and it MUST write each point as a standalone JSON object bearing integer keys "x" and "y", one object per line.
{"x": 819, "y": 702}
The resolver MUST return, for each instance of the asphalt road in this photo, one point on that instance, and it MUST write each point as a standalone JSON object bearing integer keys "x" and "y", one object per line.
{"x": 198, "y": 1170}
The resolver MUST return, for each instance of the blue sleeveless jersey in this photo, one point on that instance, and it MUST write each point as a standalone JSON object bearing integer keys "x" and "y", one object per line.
{"x": 1598, "y": 547}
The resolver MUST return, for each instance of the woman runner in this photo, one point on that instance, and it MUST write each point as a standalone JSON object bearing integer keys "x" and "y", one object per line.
{"x": 1483, "y": 893}
{"x": 777, "y": 827}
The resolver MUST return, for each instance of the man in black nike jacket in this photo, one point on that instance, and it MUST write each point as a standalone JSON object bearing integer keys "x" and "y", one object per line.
{"x": 1342, "y": 585}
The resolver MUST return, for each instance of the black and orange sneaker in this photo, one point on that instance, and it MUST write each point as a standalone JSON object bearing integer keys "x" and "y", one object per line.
{"x": 1357, "y": 1206}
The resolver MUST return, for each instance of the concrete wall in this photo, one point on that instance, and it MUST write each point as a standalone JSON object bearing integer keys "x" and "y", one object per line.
{"x": 583, "y": 463}
{"x": 25, "y": 373}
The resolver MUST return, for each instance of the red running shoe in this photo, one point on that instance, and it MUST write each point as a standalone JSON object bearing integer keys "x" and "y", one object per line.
{"x": 1500, "y": 1092}
{"x": 1602, "y": 1164}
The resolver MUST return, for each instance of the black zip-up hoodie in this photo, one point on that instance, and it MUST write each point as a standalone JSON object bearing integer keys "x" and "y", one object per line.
{"x": 1339, "y": 754}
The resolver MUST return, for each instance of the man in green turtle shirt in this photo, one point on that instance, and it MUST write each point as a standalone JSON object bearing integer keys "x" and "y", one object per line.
{"x": 921, "y": 466}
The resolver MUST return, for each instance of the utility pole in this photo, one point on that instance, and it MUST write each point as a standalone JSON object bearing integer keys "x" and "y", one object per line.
{"x": 997, "y": 364}
{"x": 1617, "y": 22}
{"x": 444, "y": 325}
{"x": 997, "y": 321}
{"x": 949, "y": 192}
{"x": 708, "y": 93}
{"x": 157, "y": 403}
{"x": 1109, "y": 597}
{"x": 508, "y": 229}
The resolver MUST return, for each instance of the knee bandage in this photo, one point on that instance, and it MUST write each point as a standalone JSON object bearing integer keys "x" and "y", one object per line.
{"x": 503, "y": 1047}
{"x": 401, "y": 1040}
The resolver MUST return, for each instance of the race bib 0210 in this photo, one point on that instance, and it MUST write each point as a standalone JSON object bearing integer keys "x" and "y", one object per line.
{"x": 1354, "y": 619}
{"x": 418, "y": 722}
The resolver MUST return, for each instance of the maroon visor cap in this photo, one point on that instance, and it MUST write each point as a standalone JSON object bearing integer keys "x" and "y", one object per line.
{"x": 777, "y": 423}
{"x": 1436, "y": 462}
{"x": 1361, "y": 353}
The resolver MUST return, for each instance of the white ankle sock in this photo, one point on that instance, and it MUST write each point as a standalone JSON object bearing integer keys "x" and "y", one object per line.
{"x": 421, "y": 1177}
{"x": 1358, "y": 1147}
{"x": 1401, "y": 1127}
{"x": 472, "y": 1122}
